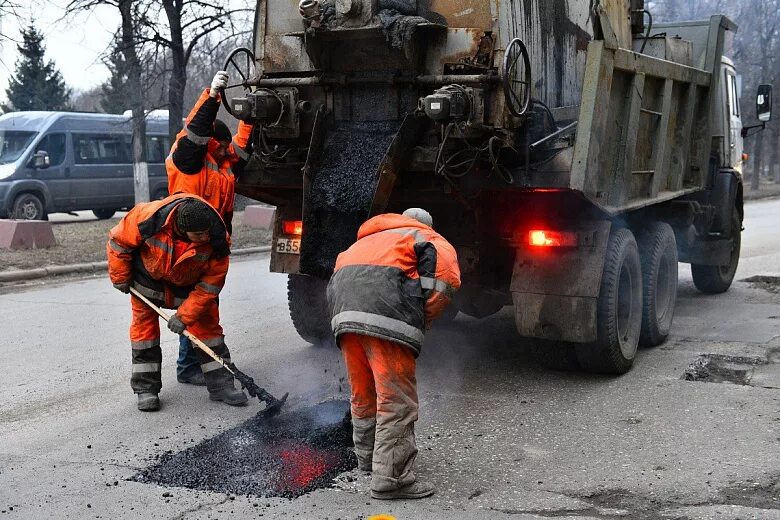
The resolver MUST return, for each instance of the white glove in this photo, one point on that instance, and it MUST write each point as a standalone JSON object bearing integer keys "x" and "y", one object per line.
{"x": 220, "y": 81}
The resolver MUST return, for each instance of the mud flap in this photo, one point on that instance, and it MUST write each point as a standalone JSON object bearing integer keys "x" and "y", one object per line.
{"x": 555, "y": 290}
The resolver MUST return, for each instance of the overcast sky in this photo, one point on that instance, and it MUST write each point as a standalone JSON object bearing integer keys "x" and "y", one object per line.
{"x": 74, "y": 43}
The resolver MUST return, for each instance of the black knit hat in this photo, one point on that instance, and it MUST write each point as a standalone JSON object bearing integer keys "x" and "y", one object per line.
{"x": 221, "y": 131}
{"x": 193, "y": 215}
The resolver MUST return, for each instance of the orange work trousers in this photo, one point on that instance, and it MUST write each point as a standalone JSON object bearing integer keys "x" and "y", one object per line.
{"x": 145, "y": 342}
{"x": 384, "y": 408}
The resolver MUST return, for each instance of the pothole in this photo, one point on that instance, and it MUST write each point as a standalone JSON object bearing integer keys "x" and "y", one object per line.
{"x": 767, "y": 283}
{"x": 285, "y": 456}
{"x": 719, "y": 368}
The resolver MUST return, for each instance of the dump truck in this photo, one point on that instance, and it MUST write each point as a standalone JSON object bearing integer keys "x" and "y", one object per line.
{"x": 572, "y": 152}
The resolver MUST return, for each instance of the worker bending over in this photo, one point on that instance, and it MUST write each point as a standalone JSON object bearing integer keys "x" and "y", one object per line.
{"x": 386, "y": 290}
{"x": 205, "y": 161}
{"x": 175, "y": 252}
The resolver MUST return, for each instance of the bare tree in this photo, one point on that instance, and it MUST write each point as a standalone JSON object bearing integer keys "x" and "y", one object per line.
{"x": 189, "y": 22}
{"x": 131, "y": 12}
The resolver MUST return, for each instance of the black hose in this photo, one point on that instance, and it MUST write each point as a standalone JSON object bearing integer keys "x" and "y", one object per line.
{"x": 649, "y": 28}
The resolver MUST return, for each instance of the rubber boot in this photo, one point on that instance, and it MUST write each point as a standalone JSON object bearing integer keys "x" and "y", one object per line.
{"x": 363, "y": 435}
{"x": 416, "y": 489}
{"x": 148, "y": 402}
{"x": 222, "y": 388}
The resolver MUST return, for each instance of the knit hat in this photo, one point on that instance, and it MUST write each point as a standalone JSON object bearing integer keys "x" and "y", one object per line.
{"x": 193, "y": 215}
{"x": 221, "y": 131}
{"x": 420, "y": 215}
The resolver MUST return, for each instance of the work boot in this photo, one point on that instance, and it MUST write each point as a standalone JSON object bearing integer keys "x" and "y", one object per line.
{"x": 228, "y": 395}
{"x": 221, "y": 387}
{"x": 416, "y": 489}
{"x": 196, "y": 378}
{"x": 148, "y": 402}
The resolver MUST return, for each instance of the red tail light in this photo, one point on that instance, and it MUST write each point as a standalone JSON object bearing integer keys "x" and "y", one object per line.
{"x": 292, "y": 227}
{"x": 546, "y": 238}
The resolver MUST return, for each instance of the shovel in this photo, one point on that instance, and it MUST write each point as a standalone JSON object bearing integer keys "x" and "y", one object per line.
{"x": 272, "y": 404}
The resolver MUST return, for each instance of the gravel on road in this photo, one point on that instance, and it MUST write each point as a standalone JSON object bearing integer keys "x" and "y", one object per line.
{"x": 81, "y": 242}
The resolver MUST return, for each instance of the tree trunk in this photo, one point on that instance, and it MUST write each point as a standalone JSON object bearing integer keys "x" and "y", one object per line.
{"x": 178, "y": 79}
{"x": 757, "y": 153}
{"x": 774, "y": 164}
{"x": 140, "y": 168}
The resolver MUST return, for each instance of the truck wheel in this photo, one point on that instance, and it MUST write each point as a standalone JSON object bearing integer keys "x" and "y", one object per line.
{"x": 308, "y": 305}
{"x": 104, "y": 214}
{"x": 658, "y": 250}
{"x": 619, "y": 309}
{"x": 28, "y": 206}
{"x": 555, "y": 355}
{"x": 715, "y": 279}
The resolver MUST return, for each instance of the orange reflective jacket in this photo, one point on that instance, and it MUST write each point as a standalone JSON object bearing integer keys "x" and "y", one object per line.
{"x": 191, "y": 166}
{"x": 397, "y": 278}
{"x": 144, "y": 249}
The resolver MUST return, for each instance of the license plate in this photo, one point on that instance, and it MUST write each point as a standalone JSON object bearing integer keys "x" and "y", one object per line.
{"x": 288, "y": 245}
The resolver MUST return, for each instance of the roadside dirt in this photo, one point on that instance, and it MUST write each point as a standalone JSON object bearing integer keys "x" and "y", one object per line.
{"x": 766, "y": 190}
{"x": 81, "y": 242}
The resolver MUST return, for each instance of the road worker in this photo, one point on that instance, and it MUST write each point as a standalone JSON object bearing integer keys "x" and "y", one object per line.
{"x": 205, "y": 161}
{"x": 386, "y": 290}
{"x": 175, "y": 252}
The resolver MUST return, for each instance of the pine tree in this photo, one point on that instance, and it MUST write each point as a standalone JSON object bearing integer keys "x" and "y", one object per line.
{"x": 115, "y": 97}
{"x": 37, "y": 84}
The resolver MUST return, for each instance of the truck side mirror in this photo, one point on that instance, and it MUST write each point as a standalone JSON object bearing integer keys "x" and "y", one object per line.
{"x": 764, "y": 103}
{"x": 41, "y": 160}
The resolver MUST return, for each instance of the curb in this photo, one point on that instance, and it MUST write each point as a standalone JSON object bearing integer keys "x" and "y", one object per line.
{"x": 92, "y": 267}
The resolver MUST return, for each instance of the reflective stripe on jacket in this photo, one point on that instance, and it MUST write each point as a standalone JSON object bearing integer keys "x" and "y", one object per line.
{"x": 397, "y": 278}
{"x": 191, "y": 166}
{"x": 141, "y": 249}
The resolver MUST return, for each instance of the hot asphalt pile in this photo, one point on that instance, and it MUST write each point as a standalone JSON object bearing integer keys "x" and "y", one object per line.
{"x": 342, "y": 191}
{"x": 284, "y": 456}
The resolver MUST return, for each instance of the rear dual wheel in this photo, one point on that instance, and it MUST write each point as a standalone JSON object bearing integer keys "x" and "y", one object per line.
{"x": 619, "y": 309}
{"x": 635, "y": 304}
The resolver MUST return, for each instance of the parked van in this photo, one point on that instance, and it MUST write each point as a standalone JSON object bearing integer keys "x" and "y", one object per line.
{"x": 67, "y": 161}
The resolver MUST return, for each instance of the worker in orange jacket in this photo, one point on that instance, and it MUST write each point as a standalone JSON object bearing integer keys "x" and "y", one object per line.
{"x": 175, "y": 252}
{"x": 205, "y": 161}
{"x": 386, "y": 290}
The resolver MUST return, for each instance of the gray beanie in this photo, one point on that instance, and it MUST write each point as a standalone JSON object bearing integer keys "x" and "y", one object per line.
{"x": 420, "y": 215}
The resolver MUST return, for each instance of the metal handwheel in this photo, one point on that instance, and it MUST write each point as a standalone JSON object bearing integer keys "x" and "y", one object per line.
{"x": 246, "y": 73}
{"x": 516, "y": 80}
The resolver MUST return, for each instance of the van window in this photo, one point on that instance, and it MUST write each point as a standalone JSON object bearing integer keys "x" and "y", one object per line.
{"x": 13, "y": 143}
{"x": 101, "y": 148}
{"x": 156, "y": 148}
{"x": 54, "y": 145}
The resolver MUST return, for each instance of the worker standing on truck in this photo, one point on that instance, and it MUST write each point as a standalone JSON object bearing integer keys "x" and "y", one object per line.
{"x": 386, "y": 290}
{"x": 205, "y": 161}
{"x": 175, "y": 252}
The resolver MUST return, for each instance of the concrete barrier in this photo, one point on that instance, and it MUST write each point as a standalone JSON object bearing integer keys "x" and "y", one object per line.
{"x": 259, "y": 216}
{"x": 26, "y": 234}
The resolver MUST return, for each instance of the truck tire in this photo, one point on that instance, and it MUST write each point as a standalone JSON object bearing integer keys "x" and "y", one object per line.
{"x": 658, "y": 250}
{"x": 308, "y": 305}
{"x": 555, "y": 355}
{"x": 104, "y": 214}
{"x": 716, "y": 279}
{"x": 28, "y": 206}
{"x": 619, "y": 309}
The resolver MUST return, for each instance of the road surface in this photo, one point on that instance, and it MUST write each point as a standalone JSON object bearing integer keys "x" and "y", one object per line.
{"x": 499, "y": 436}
